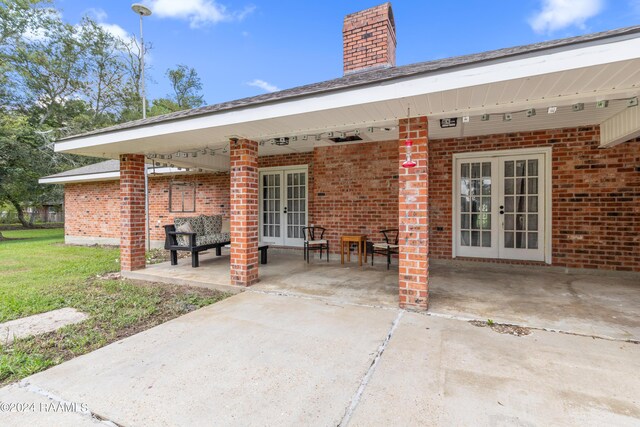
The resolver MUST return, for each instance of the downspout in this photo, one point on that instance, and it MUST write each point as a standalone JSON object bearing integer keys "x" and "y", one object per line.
{"x": 146, "y": 205}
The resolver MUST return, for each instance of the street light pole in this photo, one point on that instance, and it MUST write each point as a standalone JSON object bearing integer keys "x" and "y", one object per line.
{"x": 142, "y": 10}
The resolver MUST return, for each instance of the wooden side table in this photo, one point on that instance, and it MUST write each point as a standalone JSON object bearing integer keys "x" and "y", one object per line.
{"x": 360, "y": 239}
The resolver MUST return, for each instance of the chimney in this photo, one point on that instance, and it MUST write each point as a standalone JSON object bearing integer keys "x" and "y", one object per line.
{"x": 369, "y": 39}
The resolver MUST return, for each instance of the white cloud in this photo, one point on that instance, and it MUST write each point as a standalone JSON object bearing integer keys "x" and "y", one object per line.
{"x": 100, "y": 17}
{"x": 116, "y": 31}
{"x": 198, "y": 12}
{"x": 267, "y": 87}
{"x": 558, "y": 14}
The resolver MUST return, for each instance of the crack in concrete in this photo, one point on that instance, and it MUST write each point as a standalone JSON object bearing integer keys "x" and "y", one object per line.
{"x": 83, "y": 412}
{"x": 355, "y": 400}
{"x": 535, "y": 328}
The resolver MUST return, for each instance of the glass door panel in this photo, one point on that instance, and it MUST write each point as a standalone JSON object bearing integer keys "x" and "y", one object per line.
{"x": 296, "y": 209}
{"x": 270, "y": 208}
{"x": 283, "y": 206}
{"x": 499, "y": 207}
{"x": 522, "y": 219}
{"x": 476, "y": 217}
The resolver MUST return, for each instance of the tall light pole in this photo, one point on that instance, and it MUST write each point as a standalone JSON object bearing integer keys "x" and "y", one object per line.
{"x": 142, "y": 10}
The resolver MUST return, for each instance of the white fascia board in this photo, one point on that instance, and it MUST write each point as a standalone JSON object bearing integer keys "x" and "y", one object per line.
{"x": 105, "y": 176}
{"x": 620, "y": 128}
{"x": 566, "y": 58}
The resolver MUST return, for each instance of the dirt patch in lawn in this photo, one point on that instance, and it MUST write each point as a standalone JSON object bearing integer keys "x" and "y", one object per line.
{"x": 156, "y": 256}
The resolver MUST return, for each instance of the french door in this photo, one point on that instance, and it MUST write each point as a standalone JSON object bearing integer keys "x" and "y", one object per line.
{"x": 500, "y": 206}
{"x": 283, "y": 206}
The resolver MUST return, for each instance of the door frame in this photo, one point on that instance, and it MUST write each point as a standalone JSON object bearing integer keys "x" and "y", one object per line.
{"x": 282, "y": 169}
{"x": 546, "y": 152}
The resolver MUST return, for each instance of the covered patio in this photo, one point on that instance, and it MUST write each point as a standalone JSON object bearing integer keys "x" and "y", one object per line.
{"x": 603, "y": 305}
{"x": 524, "y": 155}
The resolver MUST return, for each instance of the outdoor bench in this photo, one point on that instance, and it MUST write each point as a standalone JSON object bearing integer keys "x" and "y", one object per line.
{"x": 196, "y": 234}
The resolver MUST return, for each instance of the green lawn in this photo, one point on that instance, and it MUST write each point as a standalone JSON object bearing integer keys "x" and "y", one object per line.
{"x": 38, "y": 273}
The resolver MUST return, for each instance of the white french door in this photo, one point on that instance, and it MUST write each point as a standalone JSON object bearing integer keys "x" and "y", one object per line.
{"x": 283, "y": 206}
{"x": 500, "y": 206}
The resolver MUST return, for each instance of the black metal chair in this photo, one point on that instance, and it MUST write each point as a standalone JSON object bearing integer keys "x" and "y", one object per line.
{"x": 388, "y": 248}
{"x": 314, "y": 240}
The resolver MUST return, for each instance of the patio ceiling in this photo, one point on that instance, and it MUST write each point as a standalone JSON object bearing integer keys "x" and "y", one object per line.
{"x": 602, "y": 70}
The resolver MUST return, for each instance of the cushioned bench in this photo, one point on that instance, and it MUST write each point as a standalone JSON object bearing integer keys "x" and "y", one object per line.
{"x": 196, "y": 234}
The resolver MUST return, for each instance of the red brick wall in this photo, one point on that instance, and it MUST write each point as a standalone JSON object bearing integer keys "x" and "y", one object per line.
{"x": 355, "y": 189}
{"x": 212, "y": 197}
{"x": 244, "y": 212}
{"x": 92, "y": 209}
{"x": 413, "y": 195}
{"x": 595, "y": 196}
{"x": 132, "y": 212}
{"x": 369, "y": 39}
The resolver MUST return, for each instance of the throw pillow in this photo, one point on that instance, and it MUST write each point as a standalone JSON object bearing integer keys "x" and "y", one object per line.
{"x": 184, "y": 228}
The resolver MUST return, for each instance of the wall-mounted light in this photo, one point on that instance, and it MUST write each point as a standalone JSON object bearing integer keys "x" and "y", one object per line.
{"x": 552, "y": 110}
{"x": 531, "y": 112}
{"x": 602, "y": 104}
{"x": 577, "y": 107}
{"x": 485, "y": 117}
{"x": 507, "y": 117}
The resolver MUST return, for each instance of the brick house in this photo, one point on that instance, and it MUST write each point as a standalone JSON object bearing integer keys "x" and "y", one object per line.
{"x": 524, "y": 155}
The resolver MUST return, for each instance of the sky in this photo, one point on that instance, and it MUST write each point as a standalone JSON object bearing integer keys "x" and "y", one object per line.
{"x": 243, "y": 48}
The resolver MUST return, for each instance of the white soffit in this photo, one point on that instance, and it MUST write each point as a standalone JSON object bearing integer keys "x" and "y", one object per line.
{"x": 605, "y": 69}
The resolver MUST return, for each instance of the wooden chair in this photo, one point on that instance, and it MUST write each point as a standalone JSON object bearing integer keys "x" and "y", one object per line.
{"x": 388, "y": 248}
{"x": 314, "y": 240}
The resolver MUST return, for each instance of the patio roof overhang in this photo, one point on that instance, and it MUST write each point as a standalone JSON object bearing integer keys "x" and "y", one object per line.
{"x": 599, "y": 70}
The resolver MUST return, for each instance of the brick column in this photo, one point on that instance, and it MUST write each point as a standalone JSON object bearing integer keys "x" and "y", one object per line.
{"x": 132, "y": 217}
{"x": 244, "y": 212}
{"x": 413, "y": 212}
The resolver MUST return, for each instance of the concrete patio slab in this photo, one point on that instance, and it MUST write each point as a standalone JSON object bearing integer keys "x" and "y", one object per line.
{"x": 581, "y": 302}
{"x": 442, "y": 372}
{"x": 252, "y": 359}
{"x": 603, "y": 304}
{"x": 287, "y": 272}
{"x": 265, "y": 359}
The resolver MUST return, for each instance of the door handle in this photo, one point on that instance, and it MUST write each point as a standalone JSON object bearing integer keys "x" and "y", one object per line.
{"x": 285, "y": 209}
{"x": 501, "y": 209}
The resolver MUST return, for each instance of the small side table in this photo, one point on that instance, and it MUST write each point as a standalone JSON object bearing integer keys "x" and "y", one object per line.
{"x": 360, "y": 239}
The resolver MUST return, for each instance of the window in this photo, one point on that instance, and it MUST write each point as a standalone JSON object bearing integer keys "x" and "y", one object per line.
{"x": 182, "y": 197}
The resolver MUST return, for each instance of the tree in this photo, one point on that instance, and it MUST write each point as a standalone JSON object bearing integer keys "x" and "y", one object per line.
{"x": 106, "y": 72}
{"x": 186, "y": 86}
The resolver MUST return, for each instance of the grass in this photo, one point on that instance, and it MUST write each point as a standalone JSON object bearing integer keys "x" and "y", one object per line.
{"x": 38, "y": 273}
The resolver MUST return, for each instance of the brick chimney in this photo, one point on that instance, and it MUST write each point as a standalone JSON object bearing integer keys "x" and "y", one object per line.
{"x": 369, "y": 39}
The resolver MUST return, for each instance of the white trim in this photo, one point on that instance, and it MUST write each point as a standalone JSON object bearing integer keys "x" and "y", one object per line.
{"x": 547, "y": 152}
{"x": 282, "y": 170}
{"x": 564, "y": 58}
{"x": 105, "y": 176}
